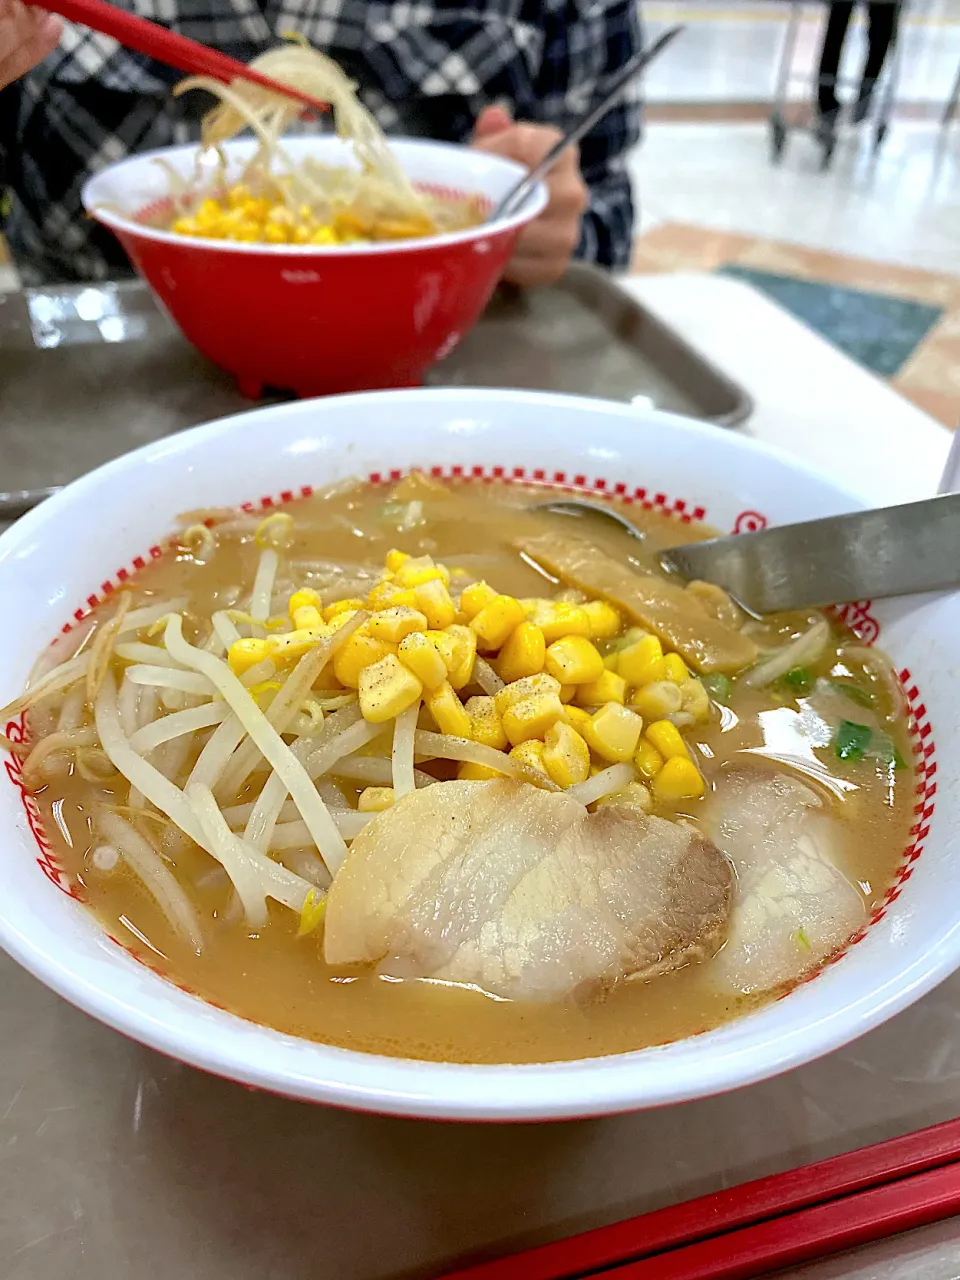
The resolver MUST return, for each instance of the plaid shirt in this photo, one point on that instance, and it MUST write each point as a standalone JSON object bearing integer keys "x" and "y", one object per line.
{"x": 426, "y": 68}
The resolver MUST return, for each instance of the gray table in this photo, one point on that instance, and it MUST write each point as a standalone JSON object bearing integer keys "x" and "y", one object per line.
{"x": 118, "y": 1163}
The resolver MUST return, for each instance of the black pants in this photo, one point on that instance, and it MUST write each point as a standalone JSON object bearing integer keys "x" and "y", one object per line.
{"x": 883, "y": 16}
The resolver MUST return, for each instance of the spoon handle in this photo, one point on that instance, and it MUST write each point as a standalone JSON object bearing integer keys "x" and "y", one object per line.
{"x": 517, "y": 194}
{"x": 867, "y": 555}
{"x": 20, "y": 501}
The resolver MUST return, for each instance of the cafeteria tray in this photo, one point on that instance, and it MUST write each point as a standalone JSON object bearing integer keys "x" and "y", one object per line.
{"x": 105, "y": 360}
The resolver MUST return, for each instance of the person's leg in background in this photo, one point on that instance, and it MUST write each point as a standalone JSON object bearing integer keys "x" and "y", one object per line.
{"x": 838, "y": 20}
{"x": 883, "y": 28}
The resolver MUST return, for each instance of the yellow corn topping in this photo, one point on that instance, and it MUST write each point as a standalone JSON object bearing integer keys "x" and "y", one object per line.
{"x": 387, "y": 688}
{"x": 305, "y": 599}
{"x": 476, "y": 597}
{"x": 350, "y": 605}
{"x": 448, "y": 711}
{"x": 609, "y": 687}
{"x": 292, "y": 646}
{"x": 395, "y": 559}
{"x": 531, "y": 753}
{"x": 574, "y": 660}
{"x": 679, "y": 779}
{"x": 464, "y": 654}
{"x": 525, "y": 688}
{"x": 240, "y": 216}
{"x": 666, "y": 738}
{"x": 415, "y": 572}
{"x": 485, "y": 723}
{"x": 565, "y": 755}
{"x": 375, "y": 799}
{"x": 676, "y": 669}
{"x": 642, "y": 662}
{"x": 656, "y": 701}
{"x": 434, "y": 602}
{"x": 605, "y": 621}
{"x": 558, "y": 618}
{"x": 357, "y": 653}
{"x": 614, "y": 733}
{"x": 523, "y": 654}
{"x": 470, "y": 772}
{"x": 244, "y": 654}
{"x": 495, "y": 622}
{"x": 422, "y": 657}
{"x": 396, "y": 624}
{"x": 531, "y": 717}
{"x": 648, "y": 759}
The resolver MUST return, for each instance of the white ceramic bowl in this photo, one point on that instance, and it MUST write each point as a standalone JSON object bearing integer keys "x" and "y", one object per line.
{"x": 64, "y": 555}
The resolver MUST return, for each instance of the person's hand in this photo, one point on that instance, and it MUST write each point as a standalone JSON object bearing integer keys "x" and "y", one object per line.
{"x": 545, "y": 247}
{"x": 26, "y": 37}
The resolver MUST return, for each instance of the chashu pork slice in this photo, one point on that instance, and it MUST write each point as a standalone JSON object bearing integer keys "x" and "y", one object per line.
{"x": 793, "y": 905}
{"x": 523, "y": 892}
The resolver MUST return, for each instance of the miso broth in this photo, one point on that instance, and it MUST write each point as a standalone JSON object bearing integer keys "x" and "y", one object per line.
{"x": 835, "y": 724}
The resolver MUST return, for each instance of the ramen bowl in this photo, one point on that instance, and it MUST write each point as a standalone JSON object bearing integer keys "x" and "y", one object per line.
{"x": 316, "y": 319}
{"x": 87, "y": 541}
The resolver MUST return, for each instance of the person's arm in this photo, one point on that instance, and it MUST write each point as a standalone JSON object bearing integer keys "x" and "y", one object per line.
{"x": 588, "y": 42}
{"x": 26, "y": 37}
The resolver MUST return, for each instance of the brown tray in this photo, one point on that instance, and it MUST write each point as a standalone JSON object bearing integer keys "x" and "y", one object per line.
{"x": 88, "y": 372}
{"x": 587, "y": 336}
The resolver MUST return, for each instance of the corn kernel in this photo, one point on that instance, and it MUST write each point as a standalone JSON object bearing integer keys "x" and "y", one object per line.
{"x": 608, "y": 687}
{"x": 567, "y": 693}
{"x": 523, "y": 654}
{"x": 447, "y": 646}
{"x": 642, "y": 662}
{"x": 448, "y": 711}
{"x": 648, "y": 759}
{"x": 532, "y": 603}
{"x": 422, "y": 657}
{"x": 386, "y": 689}
{"x": 605, "y": 621}
{"x": 340, "y": 619}
{"x": 294, "y": 644}
{"x": 614, "y": 732}
{"x": 375, "y": 799}
{"x": 308, "y": 618}
{"x": 611, "y": 661}
{"x": 558, "y": 618}
{"x": 675, "y": 668}
{"x": 386, "y": 595}
{"x": 496, "y": 621}
{"x": 395, "y": 559}
{"x": 577, "y": 718}
{"x": 395, "y": 624}
{"x": 531, "y": 717}
{"x": 465, "y": 654}
{"x": 530, "y": 753}
{"x": 470, "y": 772}
{"x": 486, "y": 726}
{"x": 357, "y": 653}
{"x": 574, "y": 660}
{"x": 635, "y": 795}
{"x": 525, "y": 688}
{"x": 433, "y": 601}
{"x": 695, "y": 699}
{"x": 275, "y": 234}
{"x": 350, "y": 605}
{"x": 566, "y": 755}
{"x": 244, "y": 654}
{"x": 304, "y": 599}
{"x": 656, "y": 701}
{"x": 679, "y": 779}
{"x": 414, "y": 572}
{"x": 666, "y": 738}
{"x": 324, "y": 235}
{"x": 476, "y": 597}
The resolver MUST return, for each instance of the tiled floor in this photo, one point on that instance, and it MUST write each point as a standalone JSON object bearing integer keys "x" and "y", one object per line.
{"x": 931, "y": 375}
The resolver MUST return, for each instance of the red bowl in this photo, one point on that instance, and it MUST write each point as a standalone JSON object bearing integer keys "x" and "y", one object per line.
{"x": 317, "y": 319}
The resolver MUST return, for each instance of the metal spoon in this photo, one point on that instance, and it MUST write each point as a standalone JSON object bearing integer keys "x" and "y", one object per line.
{"x": 21, "y": 501}
{"x": 866, "y": 555}
{"x": 580, "y": 128}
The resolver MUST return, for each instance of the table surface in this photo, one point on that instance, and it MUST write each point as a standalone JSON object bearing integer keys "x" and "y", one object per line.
{"x": 117, "y": 1162}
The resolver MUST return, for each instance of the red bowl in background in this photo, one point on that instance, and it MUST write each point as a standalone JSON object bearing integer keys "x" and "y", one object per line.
{"x": 318, "y": 319}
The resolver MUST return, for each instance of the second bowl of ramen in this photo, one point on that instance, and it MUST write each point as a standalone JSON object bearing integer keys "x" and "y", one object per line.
{"x": 319, "y": 318}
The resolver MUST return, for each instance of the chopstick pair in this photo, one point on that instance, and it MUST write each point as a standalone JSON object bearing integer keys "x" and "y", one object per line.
{"x": 166, "y": 46}
{"x": 765, "y": 1225}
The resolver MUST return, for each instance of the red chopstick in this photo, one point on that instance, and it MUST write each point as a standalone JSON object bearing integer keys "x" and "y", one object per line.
{"x": 166, "y": 46}
{"x": 876, "y": 1191}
